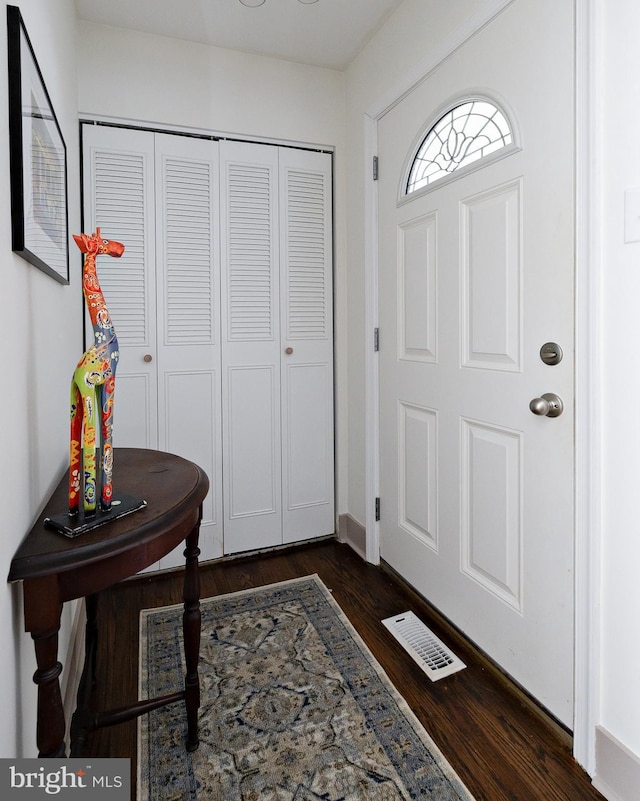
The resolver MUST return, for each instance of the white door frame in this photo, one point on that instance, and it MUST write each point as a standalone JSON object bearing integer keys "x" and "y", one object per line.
{"x": 587, "y": 347}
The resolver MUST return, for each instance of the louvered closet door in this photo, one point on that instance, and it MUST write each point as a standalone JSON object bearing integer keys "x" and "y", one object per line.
{"x": 158, "y": 195}
{"x": 277, "y": 345}
{"x": 118, "y": 192}
{"x": 251, "y": 346}
{"x": 223, "y": 307}
{"x": 188, "y": 355}
{"x": 306, "y": 349}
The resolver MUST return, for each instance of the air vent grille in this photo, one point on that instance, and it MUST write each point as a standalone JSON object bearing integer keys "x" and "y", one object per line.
{"x": 430, "y": 653}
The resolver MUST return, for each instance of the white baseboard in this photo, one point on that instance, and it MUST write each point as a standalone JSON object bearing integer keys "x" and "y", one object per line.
{"x": 617, "y": 768}
{"x": 353, "y": 534}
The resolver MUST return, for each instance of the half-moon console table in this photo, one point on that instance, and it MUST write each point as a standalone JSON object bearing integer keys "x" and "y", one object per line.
{"x": 54, "y": 569}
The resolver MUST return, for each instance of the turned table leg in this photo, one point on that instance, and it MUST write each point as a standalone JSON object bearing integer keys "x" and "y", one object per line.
{"x": 191, "y": 621}
{"x": 42, "y": 612}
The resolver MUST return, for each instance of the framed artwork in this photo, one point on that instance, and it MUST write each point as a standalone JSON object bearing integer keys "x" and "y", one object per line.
{"x": 38, "y": 161}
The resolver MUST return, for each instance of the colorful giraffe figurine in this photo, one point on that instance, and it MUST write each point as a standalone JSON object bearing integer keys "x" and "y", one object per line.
{"x": 92, "y": 389}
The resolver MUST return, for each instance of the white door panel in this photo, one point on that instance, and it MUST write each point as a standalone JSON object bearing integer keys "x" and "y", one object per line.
{"x": 476, "y": 274}
{"x": 118, "y": 174}
{"x": 118, "y": 197}
{"x": 158, "y": 194}
{"x": 188, "y": 319}
{"x": 491, "y": 271}
{"x": 251, "y": 346}
{"x": 137, "y": 422}
{"x": 277, "y": 278}
{"x": 417, "y": 289}
{"x": 253, "y": 503}
{"x": 308, "y": 451}
{"x": 306, "y": 344}
{"x": 196, "y": 434}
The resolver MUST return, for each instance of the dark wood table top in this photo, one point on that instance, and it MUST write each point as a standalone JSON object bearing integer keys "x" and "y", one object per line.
{"x": 173, "y": 489}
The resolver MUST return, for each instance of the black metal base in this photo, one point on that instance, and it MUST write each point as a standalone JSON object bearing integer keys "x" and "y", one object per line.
{"x": 73, "y": 525}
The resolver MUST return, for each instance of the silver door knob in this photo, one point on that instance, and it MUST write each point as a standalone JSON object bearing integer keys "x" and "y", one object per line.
{"x": 549, "y": 405}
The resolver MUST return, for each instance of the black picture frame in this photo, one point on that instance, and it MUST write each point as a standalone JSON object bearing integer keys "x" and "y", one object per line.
{"x": 38, "y": 161}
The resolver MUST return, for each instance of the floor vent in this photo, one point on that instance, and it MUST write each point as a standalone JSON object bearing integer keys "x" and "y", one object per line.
{"x": 423, "y": 646}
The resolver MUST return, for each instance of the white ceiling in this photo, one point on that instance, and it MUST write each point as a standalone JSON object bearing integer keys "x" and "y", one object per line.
{"x": 328, "y": 33}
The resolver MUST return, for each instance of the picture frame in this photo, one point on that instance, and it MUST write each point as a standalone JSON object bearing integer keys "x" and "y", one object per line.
{"x": 38, "y": 161}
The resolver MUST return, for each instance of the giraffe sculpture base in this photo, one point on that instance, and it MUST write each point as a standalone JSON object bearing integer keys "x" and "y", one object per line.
{"x": 74, "y": 525}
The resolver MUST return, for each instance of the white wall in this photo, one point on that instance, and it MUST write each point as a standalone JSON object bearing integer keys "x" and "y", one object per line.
{"x": 411, "y": 35}
{"x": 151, "y": 79}
{"x": 42, "y": 340}
{"x": 619, "y": 32}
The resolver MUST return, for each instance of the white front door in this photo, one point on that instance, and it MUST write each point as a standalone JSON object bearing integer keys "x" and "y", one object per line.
{"x": 476, "y": 275}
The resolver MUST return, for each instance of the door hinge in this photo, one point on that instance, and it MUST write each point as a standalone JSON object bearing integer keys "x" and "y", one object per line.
{"x": 377, "y": 510}
{"x": 375, "y": 168}
{"x": 376, "y": 339}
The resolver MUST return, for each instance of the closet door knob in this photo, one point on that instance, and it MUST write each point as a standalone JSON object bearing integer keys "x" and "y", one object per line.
{"x": 288, "y": 351}
{"x": 148, "y": 357}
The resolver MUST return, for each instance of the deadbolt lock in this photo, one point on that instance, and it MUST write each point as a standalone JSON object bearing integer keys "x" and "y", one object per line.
{"x": 551, "y": 353}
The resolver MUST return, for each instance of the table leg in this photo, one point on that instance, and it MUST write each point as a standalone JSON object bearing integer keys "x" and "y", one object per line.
{"x": 191, "y": 621}
{"x": 81, "y": 720}
{"x": 42, "y": 612}
{"x": 51, "y": 726}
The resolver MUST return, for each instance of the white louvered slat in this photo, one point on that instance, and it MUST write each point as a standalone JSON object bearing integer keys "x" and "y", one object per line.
{"x": 120, "y": 212}
{"x": 189, "y": 291}
{"x": 250, "y": 282}
{"x": 306, "y": 255}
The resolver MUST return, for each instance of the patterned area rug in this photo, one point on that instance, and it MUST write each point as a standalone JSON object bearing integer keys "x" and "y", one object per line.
{"x": 294, "y": 708}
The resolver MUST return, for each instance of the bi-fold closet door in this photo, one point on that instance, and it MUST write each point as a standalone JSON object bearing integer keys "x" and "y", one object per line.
{"x": 222, "y": 307}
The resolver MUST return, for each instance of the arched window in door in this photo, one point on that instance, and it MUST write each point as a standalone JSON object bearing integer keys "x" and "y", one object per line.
{"x": 469, "y": 132}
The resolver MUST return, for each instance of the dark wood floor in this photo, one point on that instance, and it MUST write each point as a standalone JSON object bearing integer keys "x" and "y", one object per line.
{"x": 500, "y": 747}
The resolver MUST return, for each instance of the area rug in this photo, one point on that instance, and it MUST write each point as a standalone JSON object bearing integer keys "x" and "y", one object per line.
{"x": 294, "y": 708}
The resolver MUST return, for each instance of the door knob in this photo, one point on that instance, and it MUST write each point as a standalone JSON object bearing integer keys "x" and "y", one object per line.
{"x": 549, "y": 405}
{"x": 288, "y": 351}
{"x": 147, "y": 357}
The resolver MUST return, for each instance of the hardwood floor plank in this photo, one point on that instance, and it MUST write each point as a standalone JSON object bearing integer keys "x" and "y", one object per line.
{"x": 501, "y": 748}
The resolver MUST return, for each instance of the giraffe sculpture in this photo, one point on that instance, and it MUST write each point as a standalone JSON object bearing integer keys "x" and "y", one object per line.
{"x": 92, "y": 389}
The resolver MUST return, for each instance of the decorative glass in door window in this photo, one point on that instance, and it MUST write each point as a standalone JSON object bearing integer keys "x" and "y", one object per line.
{"x": 467, "y": 133}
